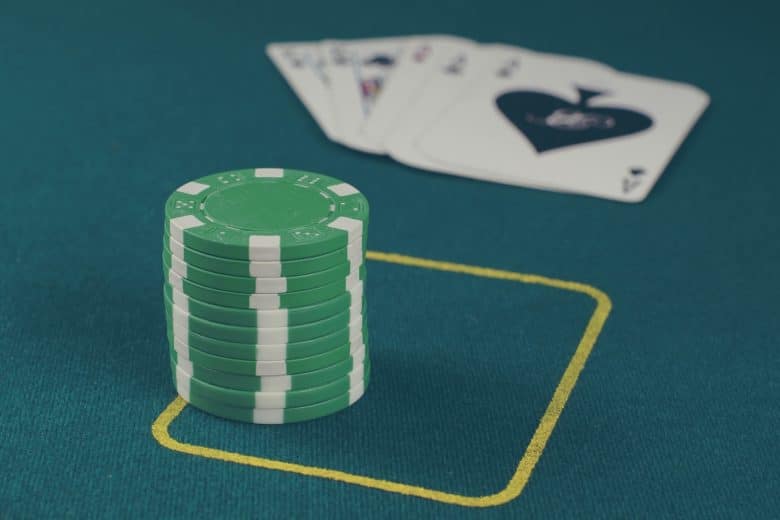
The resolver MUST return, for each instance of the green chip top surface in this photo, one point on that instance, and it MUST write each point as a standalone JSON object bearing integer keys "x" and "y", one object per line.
{"x": 266, "y": 214}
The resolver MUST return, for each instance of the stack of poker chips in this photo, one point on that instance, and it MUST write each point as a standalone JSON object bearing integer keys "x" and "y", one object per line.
{"x": 264, "y": 294}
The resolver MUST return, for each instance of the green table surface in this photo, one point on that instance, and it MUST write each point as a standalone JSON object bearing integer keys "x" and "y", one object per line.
{"x": 109, "y": 106}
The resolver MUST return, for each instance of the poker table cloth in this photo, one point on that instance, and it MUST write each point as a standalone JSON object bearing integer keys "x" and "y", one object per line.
{"x": 534, "y": 354}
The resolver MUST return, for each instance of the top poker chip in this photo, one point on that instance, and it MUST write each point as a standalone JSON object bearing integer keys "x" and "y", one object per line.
{"x": 266, "y": 214}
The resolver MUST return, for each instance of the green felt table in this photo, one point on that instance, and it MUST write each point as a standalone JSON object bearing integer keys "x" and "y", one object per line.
{"x": 533, "y": 354}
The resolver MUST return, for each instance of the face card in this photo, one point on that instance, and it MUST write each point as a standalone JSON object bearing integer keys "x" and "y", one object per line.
{"x": 303, "y": 67}
{"x": 359, "y": 69}
{"x": 566, "y": 124}
{"x": 417, "y": 62}
{"x": 458, "y": 68}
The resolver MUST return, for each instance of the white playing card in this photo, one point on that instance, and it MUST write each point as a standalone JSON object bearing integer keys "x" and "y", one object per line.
{"x": 420, "y": 57}
{"x": 502, "y": 64}
{"x": 450, "y": 77}
{"x": 303, "y": 67}
{"x": 358, "y": 69}
{"x": 566, "y": 124}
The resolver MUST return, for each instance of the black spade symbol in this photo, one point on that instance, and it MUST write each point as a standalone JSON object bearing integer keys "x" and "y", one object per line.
{"x": 550, "y": 122}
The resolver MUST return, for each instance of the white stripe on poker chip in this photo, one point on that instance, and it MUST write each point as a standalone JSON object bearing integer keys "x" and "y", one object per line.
{"x": 271, "y": 353}
{"x": 265, "y": 248}
{"x": 264, "y": 301}
{"x": 356, "y": 338}
{"x": 276, "y": 383}
{"x": 270, "y": 368}
{"x": 174, "y": 279}
{"x": 269, "y": 172}
{"x": 180, "y": 335}
{"x": 356, "y": 293}
{"x": 356, "y": 376}
{"x": 177, "y": 225}
{"x": 180, "y": 320}
{"x": 352, "y": 279}
{"x": 359, "y": 356}
{"x": 355, "y": 254}
{"x": 268, "y": 415}
{"x": 356, "y": 392}
{"x": 179, "y": 266}
{"x": 352, "y": 226}
{"x": 182, "y": 351}
{"x": 355, "y": 312}
{"x": 271, "y": 400}
{"x": 192, "y": 188}
{"x": 355, "y": 325}
{"x": 270, "y": 285}
{"x": 265, "y": 269}
{"x": 275, "y": 336}
{"x": 176, "y": 247}
{"x": 182, "y": 383}
{"x": 180, "y": 299}
{"x": 356, "y": 342}
{"x": 343, "y": 189}
{"x": 355, "y": 347}
{"x": 272, "y": 318}
{"x": 185, "y": 365}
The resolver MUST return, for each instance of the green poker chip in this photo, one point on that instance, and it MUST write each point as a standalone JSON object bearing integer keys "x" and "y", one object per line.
{"x": 246, "y": 284}
{"x": 262, "y": 301}
{"x": 353, "y": 254}
{"x": 265, "y": 318}
{"x": 187, "y": 384}
{"x": 272, "y": 382}
{"x": 356, "y": 333}
{"x": 262, "y": 336}
{"x": 266, "y": 214}
{"x": 263, "y": 368}
{"x": 277, "y": 415}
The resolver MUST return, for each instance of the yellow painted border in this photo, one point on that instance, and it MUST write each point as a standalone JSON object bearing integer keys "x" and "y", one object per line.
{"x": 532, "y": 452}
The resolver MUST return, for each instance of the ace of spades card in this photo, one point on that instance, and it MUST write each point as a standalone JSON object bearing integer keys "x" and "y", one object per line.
{"x": 564, "y": 124}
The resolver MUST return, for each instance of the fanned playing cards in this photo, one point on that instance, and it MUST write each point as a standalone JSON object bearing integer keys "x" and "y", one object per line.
{"x": 494, "y": 112}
